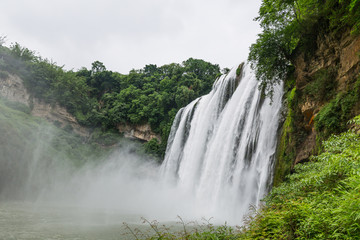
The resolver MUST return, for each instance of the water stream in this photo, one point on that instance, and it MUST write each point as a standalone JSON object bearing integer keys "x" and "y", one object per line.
{"x": 222, "y": 147}
{"x": 218, "y": 163}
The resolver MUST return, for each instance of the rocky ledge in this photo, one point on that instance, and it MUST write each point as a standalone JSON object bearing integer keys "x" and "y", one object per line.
{"x": 13, "y": 89}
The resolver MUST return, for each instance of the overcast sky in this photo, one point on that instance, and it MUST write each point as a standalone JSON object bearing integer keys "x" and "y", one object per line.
{"x": 128, "y": 34}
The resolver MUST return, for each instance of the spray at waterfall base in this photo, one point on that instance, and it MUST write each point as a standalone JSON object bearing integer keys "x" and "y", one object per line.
{"x": 218, "y": 162}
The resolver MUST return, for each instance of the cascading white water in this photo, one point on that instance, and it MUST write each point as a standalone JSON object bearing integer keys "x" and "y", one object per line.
{"x": 218, "y": 162}
{"x": 221, "y": 147}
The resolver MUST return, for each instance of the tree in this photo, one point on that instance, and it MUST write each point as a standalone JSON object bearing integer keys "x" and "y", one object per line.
{"x": 23, "y": 53}
{"x": 184, "y": 96}
{"x": 295, "y": 24}
{"x": 2, "y": 40}
{"x": 270, "y": 56}
{"x": 97, "y": 66}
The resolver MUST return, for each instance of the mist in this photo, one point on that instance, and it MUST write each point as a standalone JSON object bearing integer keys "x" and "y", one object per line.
{"x": 124, "y": 182}
{"x": 203, "y": 175}
{"x": 218, "y": 163}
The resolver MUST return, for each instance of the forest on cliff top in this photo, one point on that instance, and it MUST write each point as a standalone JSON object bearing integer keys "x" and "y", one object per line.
{"x": 100, "y": 98}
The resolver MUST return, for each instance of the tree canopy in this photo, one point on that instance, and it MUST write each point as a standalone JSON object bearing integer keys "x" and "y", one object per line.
{"x": 288, "y": 25}
{"x": 98, "y": 97}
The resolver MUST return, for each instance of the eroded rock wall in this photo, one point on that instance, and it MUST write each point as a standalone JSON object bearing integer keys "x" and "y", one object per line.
{"x": 13, "y": 89}
{"x": 57, "y": 115}
{"x": 321, "y": 78}
{"x": 141, "y": 132}
{"x": 338, "y": 52}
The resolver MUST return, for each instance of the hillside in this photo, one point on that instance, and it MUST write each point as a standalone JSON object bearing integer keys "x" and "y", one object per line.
{"x": 140, "y": 105}
{"x": 26, "y": 140}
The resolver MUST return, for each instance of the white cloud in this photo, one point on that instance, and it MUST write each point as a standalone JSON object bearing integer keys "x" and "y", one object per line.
{"x": 129, "y": 34}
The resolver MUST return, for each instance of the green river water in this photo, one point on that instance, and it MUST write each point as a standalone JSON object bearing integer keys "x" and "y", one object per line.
{"x": 20, "y": 220}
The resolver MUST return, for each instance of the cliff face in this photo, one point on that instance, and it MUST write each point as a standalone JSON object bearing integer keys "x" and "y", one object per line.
{"x": 13, "y": 89}
{"x": 326, "y": 89}
{"x": 57, "y": 115}
{"x": 340, "y": 52}
{"x": 141, "y": 132}
{"x": 338, "y": 57}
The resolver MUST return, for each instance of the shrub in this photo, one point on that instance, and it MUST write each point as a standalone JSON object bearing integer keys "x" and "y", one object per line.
{"x": 321, "y": 200}
{"x": 333, "y": 117}
{"x": 17, "y": 106}
{"x": 322, "y": 88}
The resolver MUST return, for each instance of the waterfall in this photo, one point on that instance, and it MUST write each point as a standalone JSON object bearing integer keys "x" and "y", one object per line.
{"x": 219, "y": 161}
{"x": 221, "y": 148}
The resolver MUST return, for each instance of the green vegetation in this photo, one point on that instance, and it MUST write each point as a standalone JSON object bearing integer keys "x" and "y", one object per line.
{"x": 101, "y": 98}
{"x": 320, "y": 200}
{"x": 186, "y": 230}
{"x": 26, "y": 142}
{"x": 33, "y": 152}
{"x": 286, "y": 147}
{"x": 333, "y": 117}
{"x": 294, "y": 25}
{"x": 16, "y": 106}
{"x": 323, "y": 86}
{"x": 290, "y": 29}
{"x": 20, "y": 133}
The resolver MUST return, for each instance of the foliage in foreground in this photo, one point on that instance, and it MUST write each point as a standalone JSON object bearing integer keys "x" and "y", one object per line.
{"x": 183, "y": 230}
{"x": 321, "y": 200}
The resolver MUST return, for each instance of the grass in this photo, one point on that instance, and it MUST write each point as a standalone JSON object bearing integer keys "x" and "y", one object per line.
{"x": 183, "y": 230}
{"x": 321, "y": 200}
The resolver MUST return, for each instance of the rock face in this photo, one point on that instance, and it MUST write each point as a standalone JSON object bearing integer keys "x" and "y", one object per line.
{"x": 338, "y": 52}
{"x": 13, "y": 89}
{"x": 140, "y": 132}
{"x": 57, "y": 115}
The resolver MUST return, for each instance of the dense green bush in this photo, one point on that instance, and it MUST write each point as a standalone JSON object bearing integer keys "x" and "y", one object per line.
{"x": 323, "y": 86}
{"x": 333, "y": 117}
{"x": 321, "y": 200}
{"x": 153, "y": 147}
